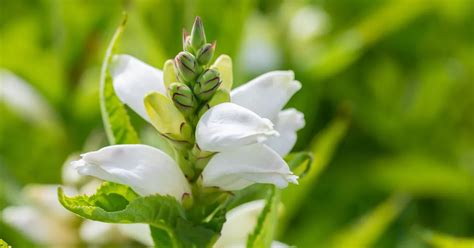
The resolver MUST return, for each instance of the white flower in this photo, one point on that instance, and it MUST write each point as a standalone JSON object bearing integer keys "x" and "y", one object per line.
{"x": 42, "y": 219}
{"x": 145, "y": 169}
{"x": 250, "y": 134}
{"x": 240, "y": 223}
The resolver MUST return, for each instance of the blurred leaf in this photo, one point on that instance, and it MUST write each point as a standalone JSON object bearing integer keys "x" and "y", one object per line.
{"x": 116, "y": 120}
{"x": 263, "y": 234}
{"x": 368, "y": 228}
{"x": 322, "y": 148}
{"x": 348, "y": 46}
{"x": 438, "y": 240}
{"x": 4, "y": 244}
{"x": 298, "y": 159}
{"x": 422, "y": 176}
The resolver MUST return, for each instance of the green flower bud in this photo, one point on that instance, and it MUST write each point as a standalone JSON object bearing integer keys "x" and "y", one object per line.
{"x": 198, "y": 37}
{"x": 186, "y": 66}
{"x": 207, "y": 84}
{"x": 183, "y": 98}
{"x": 205, "y": 53}
{"x": 187, "y": 42}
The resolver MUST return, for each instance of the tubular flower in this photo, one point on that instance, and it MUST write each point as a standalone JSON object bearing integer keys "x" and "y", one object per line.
{"x": 250, "y": 135}
{"x": 222, "y": 139}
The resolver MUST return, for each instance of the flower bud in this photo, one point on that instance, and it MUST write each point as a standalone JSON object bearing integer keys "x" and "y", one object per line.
{"x": 186, "y": 66}
{"x": 187, "y": 42}
{"x": 205, "y": 53}
{"x": 198, "y": 37}
{"x": 183, "y": 98}
{"x": 207, "y": 84}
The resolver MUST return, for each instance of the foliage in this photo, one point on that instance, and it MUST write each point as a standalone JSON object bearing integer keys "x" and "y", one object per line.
{"x": 402, "y": 68}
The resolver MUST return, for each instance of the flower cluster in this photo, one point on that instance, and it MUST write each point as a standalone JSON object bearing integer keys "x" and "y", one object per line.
{"x": 222, "y": 140}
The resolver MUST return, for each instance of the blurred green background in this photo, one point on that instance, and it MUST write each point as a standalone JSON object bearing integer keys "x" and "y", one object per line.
{"x": 388, "y": 96}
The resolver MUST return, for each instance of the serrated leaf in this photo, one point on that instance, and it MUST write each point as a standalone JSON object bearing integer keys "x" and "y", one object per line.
{"x": 116, "y": 203}
{"x": 114, "y": 115}
{"x": 264, "y": 231}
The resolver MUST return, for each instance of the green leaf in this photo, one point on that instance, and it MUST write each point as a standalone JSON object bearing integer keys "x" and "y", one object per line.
{"x": 264, "y": 231}
{"x": 161, "y": 237}
{"x": 440, "y": 240}
{"x": 299, "y": 163}
{"x": 3, "y": 244}
{"x": 114, "y": 115}
{"x": 322, "y": 148}
{"x": 365, "y": 231}
{"x": 116, "y": 203}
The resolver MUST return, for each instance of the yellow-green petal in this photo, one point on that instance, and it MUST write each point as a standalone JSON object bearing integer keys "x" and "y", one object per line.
{"x": 224, "y": 65}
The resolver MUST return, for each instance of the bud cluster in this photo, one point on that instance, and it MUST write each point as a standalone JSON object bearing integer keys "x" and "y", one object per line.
{"x": 196, "y": 82}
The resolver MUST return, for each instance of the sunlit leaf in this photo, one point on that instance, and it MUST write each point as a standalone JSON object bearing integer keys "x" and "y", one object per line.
{"x": 263, "y": 234}
{"x": 116, "y": 203}
{"x": 322, "y": 149}
{"x": 114, "y": 115}
{"x": 439, "y": 240}
{"x": 366, "y": 230}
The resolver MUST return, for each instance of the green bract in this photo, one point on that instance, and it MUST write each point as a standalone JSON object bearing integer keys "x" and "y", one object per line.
{"x": 115, "y": 203}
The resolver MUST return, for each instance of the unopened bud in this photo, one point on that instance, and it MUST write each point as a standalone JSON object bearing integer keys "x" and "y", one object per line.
{"x": 207, "y": 84}
{"x": 187, "y": 42}
{"x": 183, "y": 98}
{"x": 198, "y": 37}
{"x": 187, "y": 200}
{"x": 186, "y": 66}
{"x": 205, "y": 53}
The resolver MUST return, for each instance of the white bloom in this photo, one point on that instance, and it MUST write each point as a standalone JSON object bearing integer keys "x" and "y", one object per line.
{"x": 24, "y": 99}
{"x": 42, "y": 219}
{"x": 266, "y": 95}
{"x": 145, "y": 169}
{"x": 227, "y": 126}
{"x": 133, "y": 79}
{"x": 246, "y": 165}
{"x": 236, "y": 130}
{"x": 240, "y": 223}
{"x": 100, "y": 233}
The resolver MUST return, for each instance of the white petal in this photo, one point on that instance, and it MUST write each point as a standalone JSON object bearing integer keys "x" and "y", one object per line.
{"x": 138, "y": 232}
{"x": 24, "y": 99}
{"x": 240, "y": 222}
{"x": 133, "y": 80}
{"x": 145, "y": 169}
{"x": 98, "y": 233}
{"x": 238, "y": 168}
{"x": 288, "y": 122}
{"x": 39, "y": 227}
{"x": 267, "y": 94}
{"x": 277, "y": 244}
{"x": 45, "y": 198}
{"x": 227, "y": 125}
